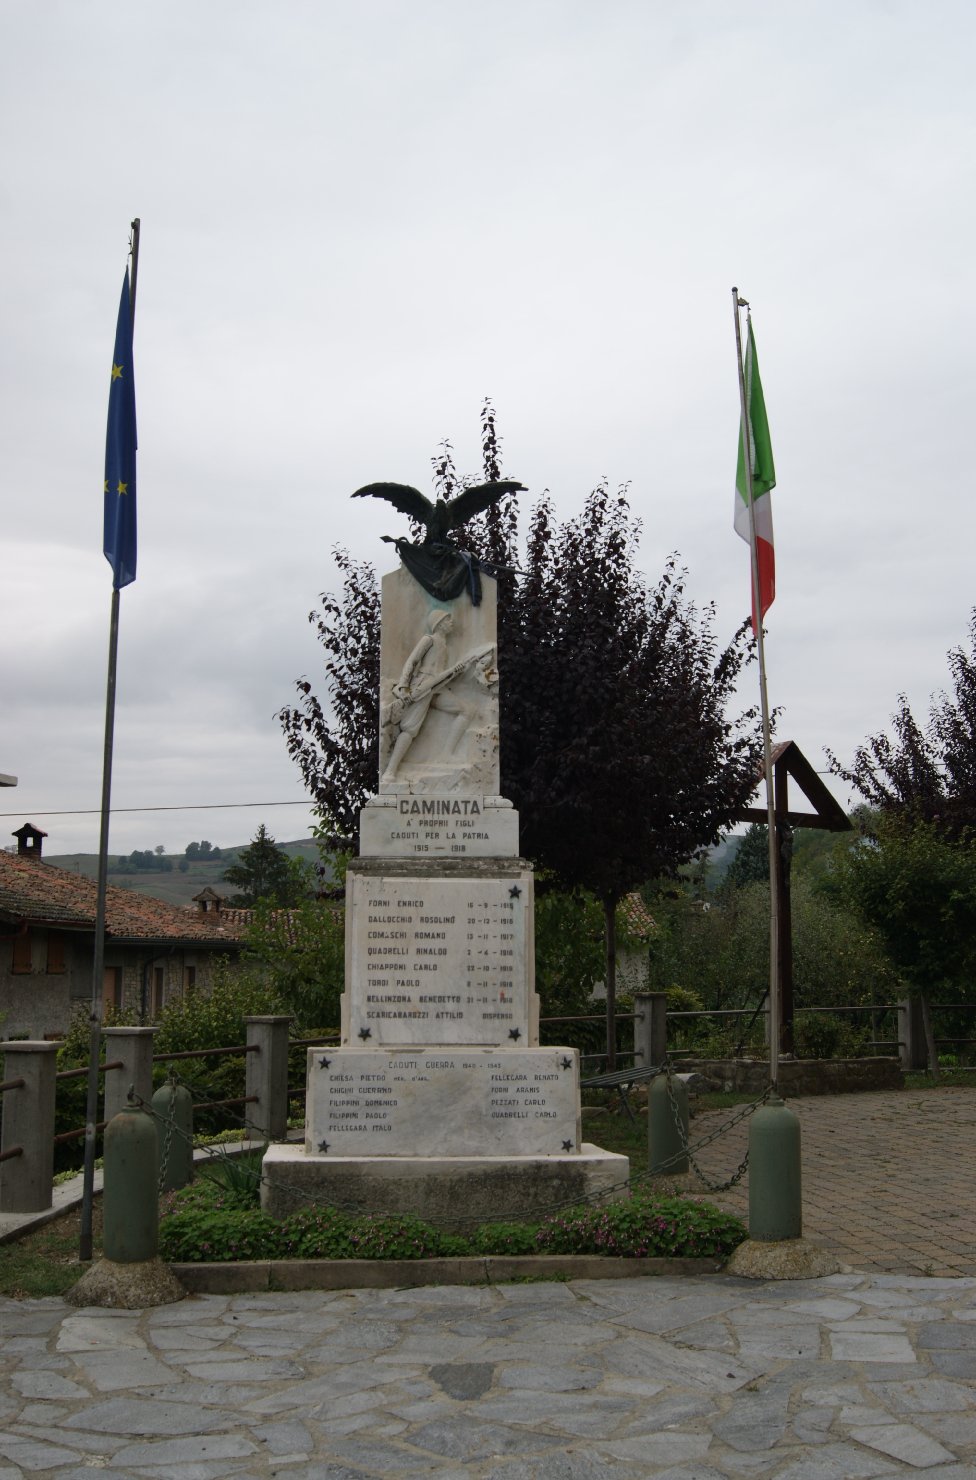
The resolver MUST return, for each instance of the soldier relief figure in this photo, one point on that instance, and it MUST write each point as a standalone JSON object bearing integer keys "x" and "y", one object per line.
{"x": 425, "y": 684}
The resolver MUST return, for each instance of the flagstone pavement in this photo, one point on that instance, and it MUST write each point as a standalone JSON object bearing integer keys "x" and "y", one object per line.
{"x": 707, "y": 1378}
{"x": 868, "y": 1373}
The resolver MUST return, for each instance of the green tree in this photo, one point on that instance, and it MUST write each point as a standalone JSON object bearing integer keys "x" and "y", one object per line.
{"x": 722, "y": 952}
{"x": 202, "y": 850}
{"x": 919, "y": 890}
{"x": 264, "y": 872}
{"x": 618, "y": 747}
{"x": 569, "y": 952}
{"x": 336, "y": 744}
{"x": 751, "y": 862}
{"x": 300, "y": 954}
{"x": 928, "y": 770}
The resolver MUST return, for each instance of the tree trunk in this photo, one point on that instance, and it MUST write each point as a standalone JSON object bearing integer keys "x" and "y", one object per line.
{"x": 610, "y": 934}
{"x": 930, "y": 1048}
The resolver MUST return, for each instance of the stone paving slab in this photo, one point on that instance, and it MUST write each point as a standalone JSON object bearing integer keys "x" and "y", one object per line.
{"x": 677, "y": 1379}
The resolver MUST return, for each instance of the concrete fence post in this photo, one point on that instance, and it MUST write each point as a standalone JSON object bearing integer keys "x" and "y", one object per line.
{"x": 28, "y": 1121}
{"x": 912, "y": 1048}
{"x": 651, "y": 1029}
{"x": 134, "y": 1047}
{"x": 266, "y": 1077}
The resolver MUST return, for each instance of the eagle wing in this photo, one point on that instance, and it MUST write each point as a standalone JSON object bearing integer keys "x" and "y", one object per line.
{"x": 474, "y": 500}
{"x": 408, "y": 500}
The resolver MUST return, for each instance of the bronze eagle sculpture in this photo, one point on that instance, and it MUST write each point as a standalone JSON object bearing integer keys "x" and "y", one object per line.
{"x": 441, "y": 568}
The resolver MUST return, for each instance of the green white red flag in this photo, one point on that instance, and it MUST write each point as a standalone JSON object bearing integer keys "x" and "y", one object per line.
{"x": 758, "y": 487}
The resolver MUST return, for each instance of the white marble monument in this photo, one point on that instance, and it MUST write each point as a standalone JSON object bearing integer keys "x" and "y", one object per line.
{"x": 439, "y": 1100}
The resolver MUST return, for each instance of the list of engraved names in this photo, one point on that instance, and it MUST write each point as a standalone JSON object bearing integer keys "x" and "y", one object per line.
{"x": 441, "y": 962}
{"x": 375, "y": 1102}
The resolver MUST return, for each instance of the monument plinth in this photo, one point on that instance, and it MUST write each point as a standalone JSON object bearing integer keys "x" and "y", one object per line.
{"x": 439, "y": 1100}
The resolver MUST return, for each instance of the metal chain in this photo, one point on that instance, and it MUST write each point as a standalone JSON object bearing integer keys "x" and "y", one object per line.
{"x": 686, "y": 1149}
{"x": 170, "y": 1123}
{"x": 636, "y": 1181}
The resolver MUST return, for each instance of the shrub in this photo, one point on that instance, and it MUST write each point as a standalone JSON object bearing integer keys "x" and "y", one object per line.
{"x": 642, "y": 1227}
{"x": 204, "y": 1235}
{"x": 503, "y": 1238}
{"x": 817, "y": 1035}
{"x": 204, "y": 1223}
{"x": 213, "y": 1019}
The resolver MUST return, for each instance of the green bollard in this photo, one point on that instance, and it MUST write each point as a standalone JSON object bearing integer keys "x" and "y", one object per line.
{"x": 173, "y": 1114}
{"x": 131, "y": 1196}
{"x": 667, "y": 1146}
{"x": 775, "y": 1204}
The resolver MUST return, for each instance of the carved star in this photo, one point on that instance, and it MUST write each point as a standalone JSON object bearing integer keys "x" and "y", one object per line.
{"x": 567, "y": 1145}
{"x": 324, "y": 1062}
{"x": 515, "y": 1033}
{"x": 323, "y": 1147}
{"x": 365, "y": 1033}
{"x": 515, "y": 892}
{"x": 567, "y": 1063}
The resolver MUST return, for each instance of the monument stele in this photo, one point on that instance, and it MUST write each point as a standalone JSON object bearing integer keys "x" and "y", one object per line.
{"x": 440, "y": 1101}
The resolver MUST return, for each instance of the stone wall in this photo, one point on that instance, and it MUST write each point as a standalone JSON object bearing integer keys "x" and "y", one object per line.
{"x": 39, "y": 1002}
{"x": 796, "y": 1076}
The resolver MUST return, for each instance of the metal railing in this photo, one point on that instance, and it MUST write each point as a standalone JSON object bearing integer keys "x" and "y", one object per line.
{"x": 27, "y": 1135}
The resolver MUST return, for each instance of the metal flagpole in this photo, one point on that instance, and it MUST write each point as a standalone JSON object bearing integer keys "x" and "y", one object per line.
{"x": 775, "y": 985}
{"x": 98, "y": 963}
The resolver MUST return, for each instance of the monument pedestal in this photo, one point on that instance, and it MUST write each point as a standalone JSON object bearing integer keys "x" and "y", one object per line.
{"x": 439, "y": 1100}
{"x": 452, "y": 1192}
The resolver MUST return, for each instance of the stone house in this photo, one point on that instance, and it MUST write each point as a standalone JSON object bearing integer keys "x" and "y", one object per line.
{"x": 153, "y": 951}
{"x": 633, "y": 959}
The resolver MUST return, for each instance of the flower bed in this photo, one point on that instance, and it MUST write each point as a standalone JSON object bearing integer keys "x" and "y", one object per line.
{"x": 209, "y": 1223}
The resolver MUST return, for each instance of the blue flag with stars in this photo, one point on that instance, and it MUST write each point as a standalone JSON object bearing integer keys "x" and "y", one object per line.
{"x": 119, "y": 541}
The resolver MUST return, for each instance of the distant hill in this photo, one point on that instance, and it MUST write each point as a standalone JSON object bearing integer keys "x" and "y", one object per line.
{"x": 175, "y": 888}
{"x": 720, "y": 858}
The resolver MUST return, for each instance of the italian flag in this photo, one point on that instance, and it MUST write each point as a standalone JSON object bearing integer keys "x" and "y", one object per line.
{"x": 763, "y": 479}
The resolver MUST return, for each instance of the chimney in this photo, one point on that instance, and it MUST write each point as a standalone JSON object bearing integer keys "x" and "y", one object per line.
{"x": 208, "y": 901}
{"x": 29, "y": 840}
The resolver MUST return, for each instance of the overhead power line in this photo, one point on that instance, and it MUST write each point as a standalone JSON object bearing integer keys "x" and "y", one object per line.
{"x": 182, "y": 807}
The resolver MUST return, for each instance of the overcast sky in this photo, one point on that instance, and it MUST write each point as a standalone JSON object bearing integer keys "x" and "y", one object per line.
{"x": 360, "y": 220}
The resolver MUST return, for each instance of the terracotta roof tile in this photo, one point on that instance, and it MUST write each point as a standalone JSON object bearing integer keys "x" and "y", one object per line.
{"x": 36, "y": 891}
{"x": 639, "y": 919}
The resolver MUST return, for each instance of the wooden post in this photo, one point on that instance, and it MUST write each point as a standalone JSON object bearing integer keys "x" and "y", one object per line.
{"x": 784, "y": 931}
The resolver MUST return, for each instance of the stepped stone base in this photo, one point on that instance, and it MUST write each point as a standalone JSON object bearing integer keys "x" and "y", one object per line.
{"x": 452, "y": 1192}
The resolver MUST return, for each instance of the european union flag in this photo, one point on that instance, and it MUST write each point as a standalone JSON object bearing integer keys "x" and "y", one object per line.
{"x": 119, "y": 541}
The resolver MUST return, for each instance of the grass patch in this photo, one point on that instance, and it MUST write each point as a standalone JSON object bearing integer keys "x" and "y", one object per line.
{"x": 613, "y": 1130}
{"x": 952, "y": 1078}
{"x": 46, "y": 1261}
